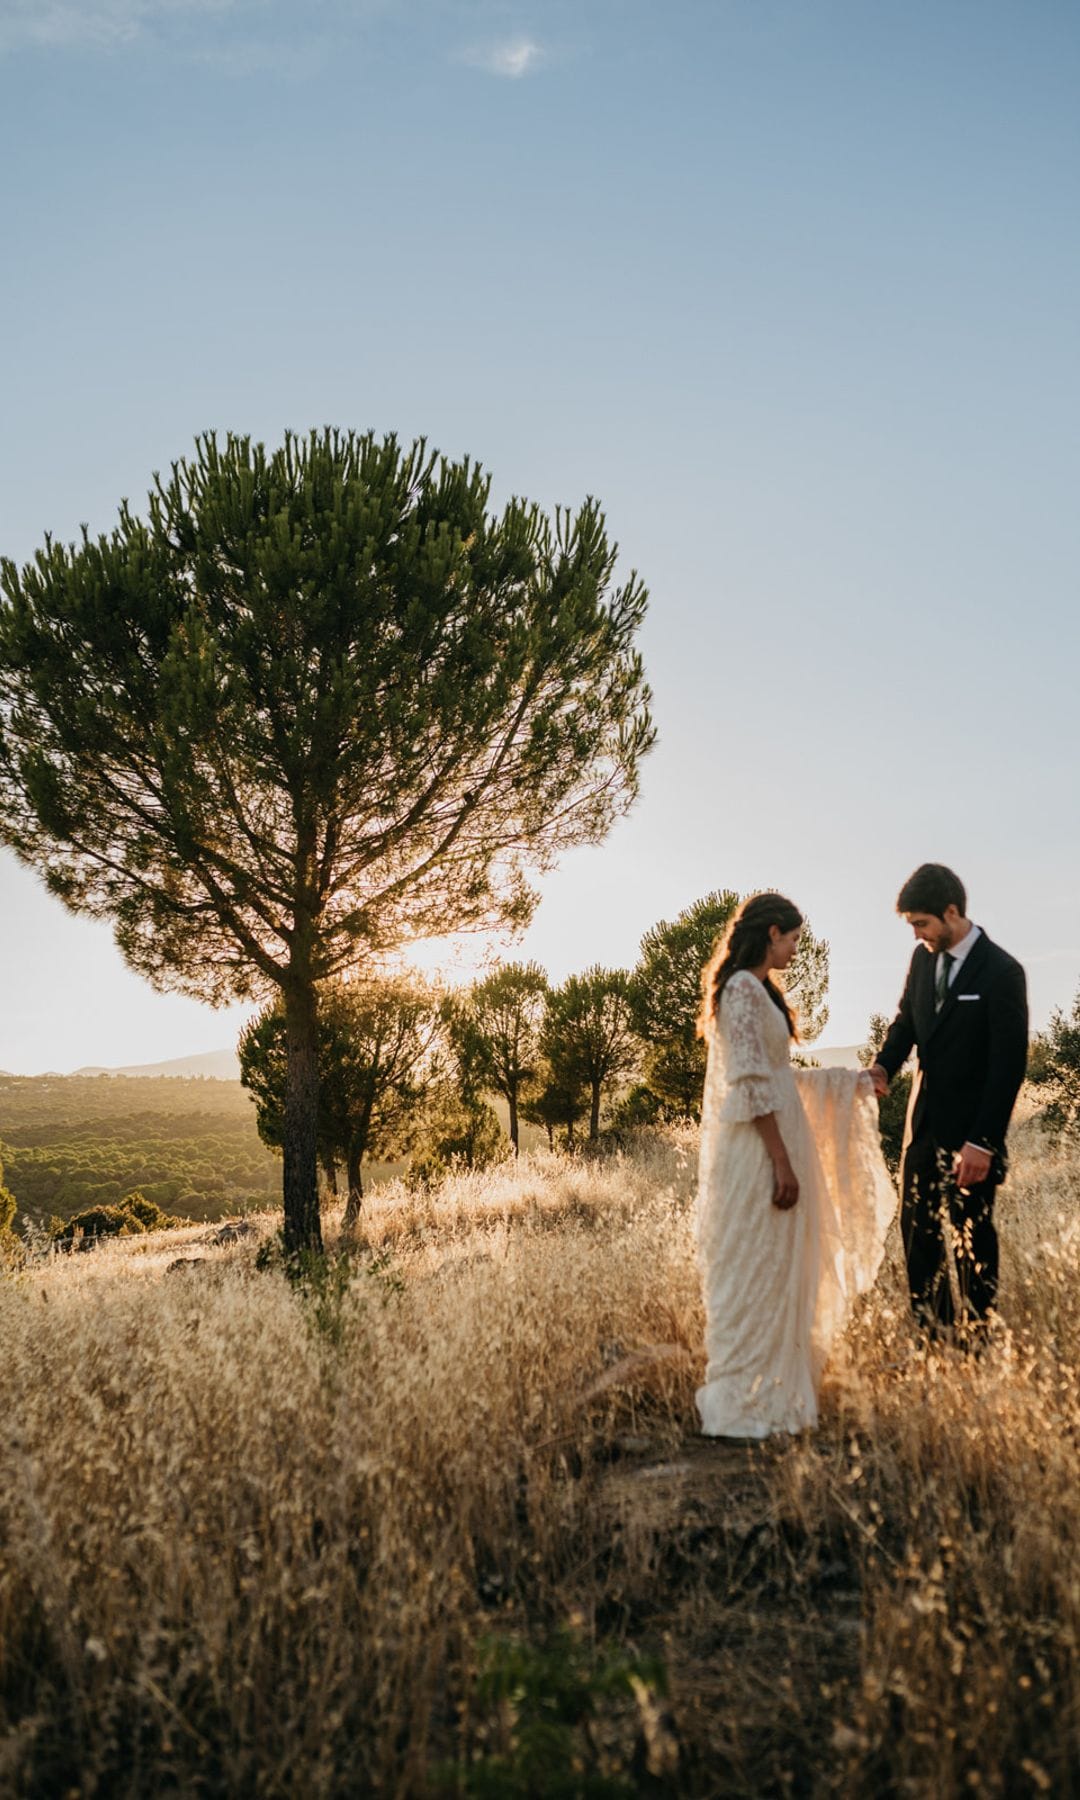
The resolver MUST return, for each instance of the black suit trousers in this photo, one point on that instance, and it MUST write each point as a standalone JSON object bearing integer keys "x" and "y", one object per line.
{"x": 934, "y": 1211}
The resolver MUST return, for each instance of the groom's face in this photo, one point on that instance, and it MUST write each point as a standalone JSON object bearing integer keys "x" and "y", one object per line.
{"x": 935, "y": 933}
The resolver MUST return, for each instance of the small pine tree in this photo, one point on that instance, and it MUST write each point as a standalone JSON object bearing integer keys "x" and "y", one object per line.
{"x": 457, "y": 1127}
{"x": 508, "y": 1015}
{"x": 378, "y": 1057}
{"x": 556, "y": 1104}
{"x": 588, "y": 1035}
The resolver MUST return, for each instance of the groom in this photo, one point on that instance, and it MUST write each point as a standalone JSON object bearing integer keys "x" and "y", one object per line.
{"x": 964, "y": 1008}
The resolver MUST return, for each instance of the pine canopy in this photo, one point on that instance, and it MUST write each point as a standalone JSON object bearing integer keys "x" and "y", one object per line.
{"x": 315, "y": 703}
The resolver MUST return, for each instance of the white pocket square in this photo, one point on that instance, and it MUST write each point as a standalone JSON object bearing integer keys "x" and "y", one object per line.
{"x": 969, "y": 996}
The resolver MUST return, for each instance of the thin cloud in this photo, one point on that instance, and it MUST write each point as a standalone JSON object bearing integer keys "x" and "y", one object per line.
{"x": 92, "y": 24}
{"x": 511, "y": 59}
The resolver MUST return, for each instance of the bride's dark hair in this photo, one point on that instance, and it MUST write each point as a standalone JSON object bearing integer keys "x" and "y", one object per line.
{"x": 744, "y": 945}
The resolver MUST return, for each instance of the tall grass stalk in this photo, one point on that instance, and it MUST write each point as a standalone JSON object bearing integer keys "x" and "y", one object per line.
{"x": 251, "y": 1546}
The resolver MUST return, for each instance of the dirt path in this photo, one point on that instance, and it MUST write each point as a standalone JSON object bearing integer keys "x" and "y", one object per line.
{"x": 757, "y": 1620}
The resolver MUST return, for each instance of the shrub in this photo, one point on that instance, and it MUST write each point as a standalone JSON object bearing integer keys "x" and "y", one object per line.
{"x": 892, "y": 1109}
{"x": 1054, "y": 1069}
{"x": 640, "y": 1105}
{"x": 146, "y": 1212}
{"x": 7, "y": 1207}
{"x": 892, "y": 1115}
{"x": 97, "y": 1222}
{"x": 135, "y": 1213}
{"x": 539, "y": 1704}
{"x": 9, "y": 1238}
{"x": 325, "y": 1281}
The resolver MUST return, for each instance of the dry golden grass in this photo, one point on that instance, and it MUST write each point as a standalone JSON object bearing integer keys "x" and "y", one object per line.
{"x": 255, "y": 1541}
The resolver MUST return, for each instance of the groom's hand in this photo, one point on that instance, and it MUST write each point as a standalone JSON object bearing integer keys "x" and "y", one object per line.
{"x": 880, "y": 1079}
{"x": 972, "y": 1166}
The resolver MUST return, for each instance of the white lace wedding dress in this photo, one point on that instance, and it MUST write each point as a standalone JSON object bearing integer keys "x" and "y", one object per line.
{"x": 779, "y": 1286}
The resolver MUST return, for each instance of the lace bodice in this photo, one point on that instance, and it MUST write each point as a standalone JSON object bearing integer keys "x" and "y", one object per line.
{"x": 753, "y": 1043}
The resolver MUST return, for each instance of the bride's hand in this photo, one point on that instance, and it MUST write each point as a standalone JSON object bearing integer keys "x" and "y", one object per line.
{"x": 786, "y": 1188}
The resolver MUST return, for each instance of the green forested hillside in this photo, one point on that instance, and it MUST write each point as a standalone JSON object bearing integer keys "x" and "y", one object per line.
{"x": 72, "y": 1141}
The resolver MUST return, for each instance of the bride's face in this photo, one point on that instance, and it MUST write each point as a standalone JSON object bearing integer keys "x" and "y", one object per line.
{"x": 783, "y": 945}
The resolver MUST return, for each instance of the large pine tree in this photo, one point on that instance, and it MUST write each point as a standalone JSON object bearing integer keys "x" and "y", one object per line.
{"x": 315, "y": 703}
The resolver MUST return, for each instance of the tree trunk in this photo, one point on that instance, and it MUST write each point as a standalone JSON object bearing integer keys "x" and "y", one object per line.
{"x": 356, "y": 1185}
{"x": 594, "y": 1114}
{"x": 300, "y": 1142}
{"x": 513, "y": 1105}
{"x": 329, "y": 1167}
{"x": 354, "y": 1158}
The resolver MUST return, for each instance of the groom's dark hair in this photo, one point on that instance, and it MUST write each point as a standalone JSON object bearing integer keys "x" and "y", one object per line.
{"x": 931, "y": 889}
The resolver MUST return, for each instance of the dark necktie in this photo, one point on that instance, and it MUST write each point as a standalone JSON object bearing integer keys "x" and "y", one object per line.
{"x": 945, "y": 963}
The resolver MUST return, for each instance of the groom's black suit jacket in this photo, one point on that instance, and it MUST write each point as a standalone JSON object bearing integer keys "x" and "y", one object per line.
{"x": 972, "y": 1054}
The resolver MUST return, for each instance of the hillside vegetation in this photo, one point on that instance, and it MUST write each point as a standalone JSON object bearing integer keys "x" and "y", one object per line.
{"x": 439, "y": 1521}
{"x": 190, "y": 1145}
{"x": 69, "y": 1142}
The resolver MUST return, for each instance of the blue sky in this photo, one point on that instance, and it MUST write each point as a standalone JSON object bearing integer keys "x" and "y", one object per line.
{"x": 793, "y": 288}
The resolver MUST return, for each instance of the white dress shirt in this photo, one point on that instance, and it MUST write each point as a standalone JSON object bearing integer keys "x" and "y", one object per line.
{"x": 958, "y": 952}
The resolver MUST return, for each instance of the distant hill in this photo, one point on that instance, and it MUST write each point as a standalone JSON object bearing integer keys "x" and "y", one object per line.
{"x": 213, "y": 1065}
{"x": 224, "y": 1065}
{"x": 847, "y": 1057}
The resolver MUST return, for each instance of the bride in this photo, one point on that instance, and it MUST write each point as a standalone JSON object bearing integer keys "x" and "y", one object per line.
{"x": 794, "y": 1197}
